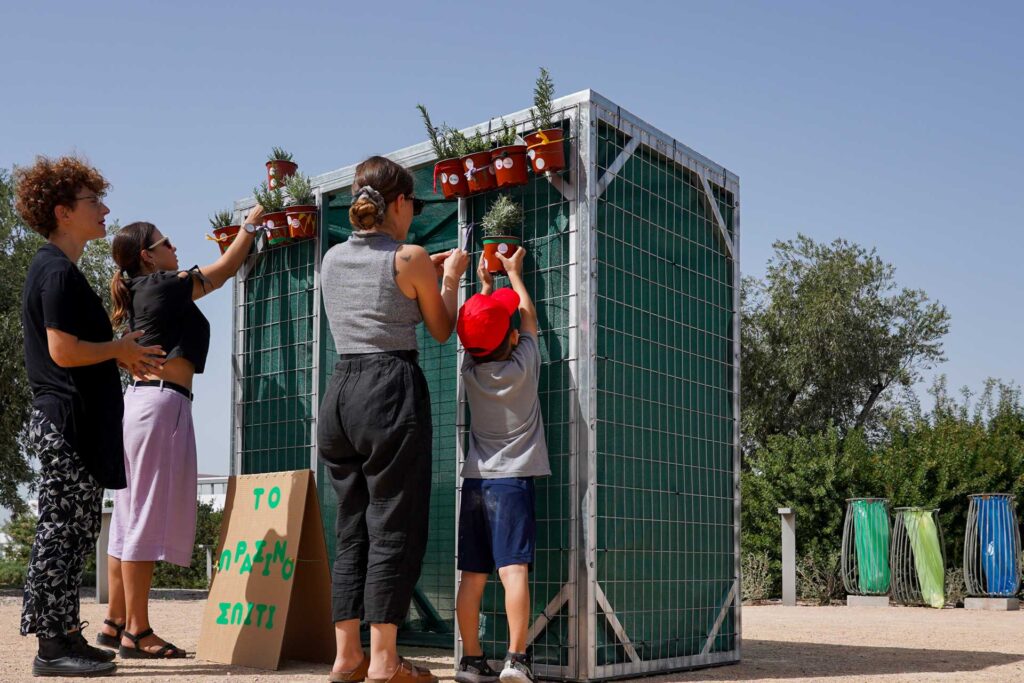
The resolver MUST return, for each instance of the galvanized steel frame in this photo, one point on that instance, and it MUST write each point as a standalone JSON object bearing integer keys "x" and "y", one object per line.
{"x": 584, "y": 110}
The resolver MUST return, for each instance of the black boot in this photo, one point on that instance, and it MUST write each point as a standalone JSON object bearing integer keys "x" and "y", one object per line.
{"x": 59, "y": 656}
{"x": 82, "y": 647}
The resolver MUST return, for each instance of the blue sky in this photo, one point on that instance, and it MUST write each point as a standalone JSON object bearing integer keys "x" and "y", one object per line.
{"x": 895, "y": 125}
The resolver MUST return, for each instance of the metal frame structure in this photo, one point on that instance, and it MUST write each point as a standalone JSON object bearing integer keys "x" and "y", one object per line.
{"x": 589, "y": 608}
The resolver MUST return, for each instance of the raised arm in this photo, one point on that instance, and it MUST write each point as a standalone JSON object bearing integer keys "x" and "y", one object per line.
{"x": 417, "y": 271}
{"x": 527, "y": 311}
{"x": 220, "y": 271}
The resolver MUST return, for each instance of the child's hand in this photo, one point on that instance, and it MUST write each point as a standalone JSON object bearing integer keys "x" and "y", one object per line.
{"x": 513, "y": 264}
{"x": 484, "y": 276}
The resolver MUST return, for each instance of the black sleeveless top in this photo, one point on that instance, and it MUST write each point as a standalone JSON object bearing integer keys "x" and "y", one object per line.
{"x": 162, "y": 305}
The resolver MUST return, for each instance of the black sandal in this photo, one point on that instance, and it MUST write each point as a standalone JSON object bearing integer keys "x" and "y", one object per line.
{"x": 168, "y": 651}
{"x": 108, "y": 640}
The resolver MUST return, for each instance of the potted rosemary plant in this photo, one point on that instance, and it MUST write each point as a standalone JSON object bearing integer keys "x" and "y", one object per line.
{"x": 447, "y": 144}
{"x": 546, "y": 150}
{"x": 301, "y": 208}
{"x": 508, "y": 158}
{"x": 501, "y": 223}
{"x": 476, "y": 162}
{"x": 279, "y": 166}
{"x": 272, "y": 201}
{"x": 224, "y": 233}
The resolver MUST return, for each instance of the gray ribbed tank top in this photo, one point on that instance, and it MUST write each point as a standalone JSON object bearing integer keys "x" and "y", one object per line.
{"x": 366, "y": 310}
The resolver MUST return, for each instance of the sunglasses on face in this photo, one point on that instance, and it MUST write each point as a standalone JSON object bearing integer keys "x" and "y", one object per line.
{"x": 417, "y": 205}
{"x": 165, "y": 240}
{"x": 94, "y": 199}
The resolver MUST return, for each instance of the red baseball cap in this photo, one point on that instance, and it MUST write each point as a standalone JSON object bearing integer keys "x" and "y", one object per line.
{"x": 484, "y": 320}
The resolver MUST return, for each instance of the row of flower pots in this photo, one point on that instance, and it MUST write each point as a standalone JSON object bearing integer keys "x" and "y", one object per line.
{"x": 288, "y": 199}
{"x": 502, "y": 167}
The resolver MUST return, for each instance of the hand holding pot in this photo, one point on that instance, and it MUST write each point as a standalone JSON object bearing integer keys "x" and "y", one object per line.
{"x": 513, "y": 264}
{"x": 255, "y": 214}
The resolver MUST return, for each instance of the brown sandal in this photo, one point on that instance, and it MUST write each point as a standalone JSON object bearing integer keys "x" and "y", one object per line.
{"x": 407, "y": 673}
{"x": 356, "y": 675}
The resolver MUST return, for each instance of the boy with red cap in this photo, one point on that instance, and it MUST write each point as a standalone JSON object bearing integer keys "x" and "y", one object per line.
{"x": 497, "y": 523}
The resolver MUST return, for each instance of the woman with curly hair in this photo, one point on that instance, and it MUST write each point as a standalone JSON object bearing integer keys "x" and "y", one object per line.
{"x": 71, "y": 360}
{"x": 374, "y": 429}
{"x": 155, "y": 516}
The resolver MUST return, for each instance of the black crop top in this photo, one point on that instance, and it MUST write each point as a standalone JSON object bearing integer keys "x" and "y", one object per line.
{"x": 162, "y": 305}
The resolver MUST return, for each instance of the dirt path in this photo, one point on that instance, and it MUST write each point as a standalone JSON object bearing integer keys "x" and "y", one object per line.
{"x": 790, "y": 644}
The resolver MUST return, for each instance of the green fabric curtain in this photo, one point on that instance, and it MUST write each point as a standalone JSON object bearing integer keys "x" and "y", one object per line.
{"x": 924, "y": 541}
{"x": 871, "y": 535}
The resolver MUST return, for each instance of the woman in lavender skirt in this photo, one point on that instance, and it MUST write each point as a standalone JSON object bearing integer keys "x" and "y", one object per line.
{"x": 155, "y": 516}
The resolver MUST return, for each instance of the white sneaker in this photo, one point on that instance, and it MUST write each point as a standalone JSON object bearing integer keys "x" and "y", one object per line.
{"x": 516, "y": 671}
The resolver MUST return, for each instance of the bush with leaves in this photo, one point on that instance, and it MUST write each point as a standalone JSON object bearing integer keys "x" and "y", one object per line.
{"x": 299, "y": 190}
{"x": 279, "y": 154}
{"x": 818, "y": 580}
{"x": 756, "y": 570}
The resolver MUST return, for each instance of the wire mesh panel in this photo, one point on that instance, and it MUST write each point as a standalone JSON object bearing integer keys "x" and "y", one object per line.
{"x": 992, "y": 552}
{"x": 275, "y": 361}
{"x": 918, "y": 558}
{"x": 865, "y": 554}
{"x": 666, "y": 423}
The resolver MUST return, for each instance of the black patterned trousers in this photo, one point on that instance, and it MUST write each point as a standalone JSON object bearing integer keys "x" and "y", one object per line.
{"x": 69, "y": 522}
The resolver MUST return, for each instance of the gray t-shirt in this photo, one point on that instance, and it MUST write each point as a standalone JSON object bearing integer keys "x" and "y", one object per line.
{"x": 506, "y": 436}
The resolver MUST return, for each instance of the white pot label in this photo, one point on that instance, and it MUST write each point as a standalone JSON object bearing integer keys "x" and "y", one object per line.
{"x": 508, "y": 163}
{"x": 444, "y": 178}
{"x": 502, "y": 248}
{"x": 539, "y": 163}
{"x": 469, "y": 163}
{"x": 532, "y": 153}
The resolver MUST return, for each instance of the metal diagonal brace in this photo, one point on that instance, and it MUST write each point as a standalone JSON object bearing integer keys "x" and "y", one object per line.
{"x": 723, "y": 232}
{"x": 720, "y": 618}
{"x": 548, "y": 613}
{"x": 620, "y": 632}
{"x": 620, "y": 161}
{"x": 565, "y": 189}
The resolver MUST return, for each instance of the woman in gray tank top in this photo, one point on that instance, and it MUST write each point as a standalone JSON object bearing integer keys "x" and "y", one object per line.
{"x": 374, "y": 433}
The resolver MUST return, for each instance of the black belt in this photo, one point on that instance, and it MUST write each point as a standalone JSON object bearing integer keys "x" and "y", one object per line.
{"x": 163, "y": 384}
{"x": 408, "y": 355}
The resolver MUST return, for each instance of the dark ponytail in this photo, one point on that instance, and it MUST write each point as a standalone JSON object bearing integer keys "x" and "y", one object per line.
{"x": 127, "y": 252}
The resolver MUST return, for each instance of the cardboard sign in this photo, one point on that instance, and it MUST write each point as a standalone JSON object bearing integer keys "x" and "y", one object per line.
{"x": 271, "y": 592}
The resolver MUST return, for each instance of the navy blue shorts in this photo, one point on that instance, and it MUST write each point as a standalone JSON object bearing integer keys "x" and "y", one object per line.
{"x": 497, "y": 524}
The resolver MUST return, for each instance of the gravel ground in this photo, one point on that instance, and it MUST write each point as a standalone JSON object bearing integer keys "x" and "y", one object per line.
{"x": 790, "y": 644}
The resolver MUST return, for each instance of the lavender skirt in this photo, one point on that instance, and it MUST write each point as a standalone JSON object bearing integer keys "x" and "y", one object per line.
{"x": 155, "y": 517}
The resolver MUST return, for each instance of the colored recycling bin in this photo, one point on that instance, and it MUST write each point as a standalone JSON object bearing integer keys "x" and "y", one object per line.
{"x": 866, "y": 537}
{"x": 992, "y": 546}
{"x": 917, "y": 558}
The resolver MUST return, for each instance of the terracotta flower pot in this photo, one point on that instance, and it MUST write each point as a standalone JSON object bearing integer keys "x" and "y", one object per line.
{"x": 479, "y": 172}
{"x": 506, "y": 245}
{"x": 453, "y": 182}
{"x": 278, "y": 171}
{"x": 510, "y": 165}
{"x": 301, "y": 221}
{"x": 225, "y": 236}
{"x": 277, "y": 223}
{"x": 546, "y": 150}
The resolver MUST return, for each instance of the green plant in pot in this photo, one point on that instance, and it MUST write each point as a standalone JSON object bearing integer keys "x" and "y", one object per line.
{"x": 448, "y": 145}
{"x": 545, "y": 147}
{"x": 280, "y": 166}
{"x": 501, "y": 225}
{"x": 275, "y": 218}
{"x": 476, "y": 162}
{"x": 301, "y": 209}
{"x": 224, "y": 232}
{"x": 508, "y": 158}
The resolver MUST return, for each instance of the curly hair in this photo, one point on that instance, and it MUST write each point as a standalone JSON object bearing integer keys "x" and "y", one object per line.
{"x": 50, "y": 183}
{"x": 388, "y": 179}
